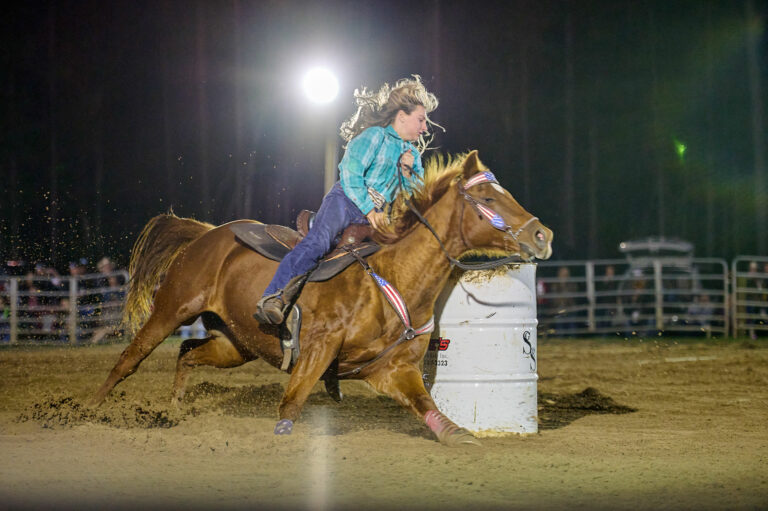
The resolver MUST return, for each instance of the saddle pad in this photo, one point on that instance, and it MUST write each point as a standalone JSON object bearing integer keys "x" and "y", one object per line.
{"x": 256, "y": 237}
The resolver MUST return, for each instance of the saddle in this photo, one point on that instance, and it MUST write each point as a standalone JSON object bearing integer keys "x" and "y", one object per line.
{"x": 275, "y": 241}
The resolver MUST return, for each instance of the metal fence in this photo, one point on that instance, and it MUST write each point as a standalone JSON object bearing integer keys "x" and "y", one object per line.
{"x": 749, "y": 307}
{"x": 85, "y": 308}
{"x": 614, "y": 297}
{"x": 681, "y": 296}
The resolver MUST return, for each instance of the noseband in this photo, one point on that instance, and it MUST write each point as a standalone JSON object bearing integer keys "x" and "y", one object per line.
{"x": 484, "y": 211}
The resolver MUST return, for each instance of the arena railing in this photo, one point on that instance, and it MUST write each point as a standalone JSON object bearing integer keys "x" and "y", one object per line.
{"x": 70, "y": 309}
{"x": 749, "y": 307}
{"x": 595, "y": 297}
{"x": 650, "y": 296}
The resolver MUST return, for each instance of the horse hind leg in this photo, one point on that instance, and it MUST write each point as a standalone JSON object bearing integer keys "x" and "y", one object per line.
{"x": 154, "y": 331}
{"x": 216, "y": 350}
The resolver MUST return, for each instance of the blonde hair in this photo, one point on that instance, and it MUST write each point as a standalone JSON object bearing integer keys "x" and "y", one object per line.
{"x": 380, "y": 108}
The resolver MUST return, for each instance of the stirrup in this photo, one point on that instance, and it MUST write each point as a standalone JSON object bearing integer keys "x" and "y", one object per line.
{"x": 270, "y": 313}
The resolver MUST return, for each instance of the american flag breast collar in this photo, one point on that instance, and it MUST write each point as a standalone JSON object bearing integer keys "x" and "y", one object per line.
{"x": 398, "y": 304}
{"x": 396, "y": 301}
{"x": 494, "y": 218}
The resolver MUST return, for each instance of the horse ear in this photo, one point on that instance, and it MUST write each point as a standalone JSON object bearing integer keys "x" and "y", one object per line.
{"x": 472, "y": 164}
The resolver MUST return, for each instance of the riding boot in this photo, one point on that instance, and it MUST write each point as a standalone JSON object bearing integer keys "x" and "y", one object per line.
{"x": 293, "y": 288}
{"x": 269, "y": 310}
{"x": 272, "y": 309}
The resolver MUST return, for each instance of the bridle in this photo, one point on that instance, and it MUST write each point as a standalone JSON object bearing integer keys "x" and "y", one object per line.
{"x": 495, "y": 219}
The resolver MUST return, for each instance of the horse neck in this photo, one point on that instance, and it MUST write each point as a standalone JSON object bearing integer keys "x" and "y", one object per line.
{"x": 416, "y": 264}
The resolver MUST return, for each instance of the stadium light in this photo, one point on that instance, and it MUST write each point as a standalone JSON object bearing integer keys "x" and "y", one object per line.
{"x": 320, "y": 85}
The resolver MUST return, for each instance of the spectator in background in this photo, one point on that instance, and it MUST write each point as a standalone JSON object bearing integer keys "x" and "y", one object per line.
{"x": 49, "y": 284}
{"x": 29, "y": 304}
{"x": 606, "y": 287}
{"x": 561, "y": 297}
{"x": 638, "y": 305}
{"x": 562, "y": 287}
{"x": 105, "y": 265}
{"x": 86, "y": 301}
{"x": 78, "y": 268}
{"x": 701, "y": 310}
{"x": 111, "y": 299}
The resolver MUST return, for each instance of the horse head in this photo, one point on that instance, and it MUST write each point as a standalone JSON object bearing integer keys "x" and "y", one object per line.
{"x": 492, "y": 221}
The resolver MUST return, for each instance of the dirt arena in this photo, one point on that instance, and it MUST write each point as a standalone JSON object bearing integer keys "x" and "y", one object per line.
{"x": 698, "y": 438}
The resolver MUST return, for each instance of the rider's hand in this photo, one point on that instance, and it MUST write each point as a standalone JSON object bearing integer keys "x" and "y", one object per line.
{"x": 377, "y": 219}
{"x": 406, "y": 163}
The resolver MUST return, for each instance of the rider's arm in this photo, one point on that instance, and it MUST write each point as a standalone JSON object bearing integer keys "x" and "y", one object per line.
{"x": 358, "y": 158}
{"x": 415, "y": 181}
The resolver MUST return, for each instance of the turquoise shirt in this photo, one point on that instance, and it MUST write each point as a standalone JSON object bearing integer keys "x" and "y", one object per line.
{"x": 371, "y": 162}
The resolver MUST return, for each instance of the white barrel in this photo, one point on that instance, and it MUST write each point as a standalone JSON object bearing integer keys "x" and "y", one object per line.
{"x": 481, "y": 364}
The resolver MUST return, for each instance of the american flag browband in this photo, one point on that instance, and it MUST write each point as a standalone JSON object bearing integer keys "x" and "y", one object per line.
{"x": 481, "y": 177}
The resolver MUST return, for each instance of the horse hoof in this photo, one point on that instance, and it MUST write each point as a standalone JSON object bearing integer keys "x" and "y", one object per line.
{"x": 94, "y": 402}
{"x": 459, "y": 438}
{"x": 333, "y": 389}
{"x": 284, "y": 427}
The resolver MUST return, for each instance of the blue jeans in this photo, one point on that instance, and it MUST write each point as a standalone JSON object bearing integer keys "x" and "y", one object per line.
{"x": 336, "y": 213}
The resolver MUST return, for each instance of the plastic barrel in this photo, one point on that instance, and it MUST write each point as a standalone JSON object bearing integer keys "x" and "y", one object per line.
{"x": 481, "y": 364}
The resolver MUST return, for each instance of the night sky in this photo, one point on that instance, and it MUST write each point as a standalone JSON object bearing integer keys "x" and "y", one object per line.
{"x": 113, "y": 112}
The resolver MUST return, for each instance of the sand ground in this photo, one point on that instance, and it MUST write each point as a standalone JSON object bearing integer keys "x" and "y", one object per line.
{"x": 697, "y": 440}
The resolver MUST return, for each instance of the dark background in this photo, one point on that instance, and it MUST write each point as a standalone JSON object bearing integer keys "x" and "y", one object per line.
{"x": 113, "y": 112}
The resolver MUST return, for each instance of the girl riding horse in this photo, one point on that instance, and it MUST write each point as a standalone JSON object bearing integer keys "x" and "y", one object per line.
{"x": 380, "y": 161}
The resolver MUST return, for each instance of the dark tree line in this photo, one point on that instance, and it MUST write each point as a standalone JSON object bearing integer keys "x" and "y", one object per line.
{"x": 114, "y": 112}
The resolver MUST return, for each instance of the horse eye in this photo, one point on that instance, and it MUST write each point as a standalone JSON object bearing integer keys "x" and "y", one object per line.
{"x": 488, "y": 200}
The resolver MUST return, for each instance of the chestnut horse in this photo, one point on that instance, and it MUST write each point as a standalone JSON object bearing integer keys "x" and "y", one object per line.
{"x": 182, "y": 269}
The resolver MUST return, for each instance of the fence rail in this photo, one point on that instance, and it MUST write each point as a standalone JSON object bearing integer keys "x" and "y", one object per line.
{"x": 61, "y": 309}
{"x": 602, "y": 297}
{"x": 681, "y": 296}
{"x": 749, "y": 307}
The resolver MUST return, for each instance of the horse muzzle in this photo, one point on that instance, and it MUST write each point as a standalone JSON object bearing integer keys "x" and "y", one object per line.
{"x": 535, "y": 242}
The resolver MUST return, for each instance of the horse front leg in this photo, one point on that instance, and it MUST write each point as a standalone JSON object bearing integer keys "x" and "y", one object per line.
{"x": 402, "y": 382}
{"x": 312, "y": 363}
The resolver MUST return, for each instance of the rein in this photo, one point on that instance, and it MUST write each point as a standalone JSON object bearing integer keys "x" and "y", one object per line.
{"x": 494, "y": 218}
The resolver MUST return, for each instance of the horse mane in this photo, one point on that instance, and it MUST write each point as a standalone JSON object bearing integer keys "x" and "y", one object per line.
{"x": 440, "y": 172}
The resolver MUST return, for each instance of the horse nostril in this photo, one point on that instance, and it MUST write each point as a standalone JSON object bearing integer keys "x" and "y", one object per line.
{"x": 540, "y": 239}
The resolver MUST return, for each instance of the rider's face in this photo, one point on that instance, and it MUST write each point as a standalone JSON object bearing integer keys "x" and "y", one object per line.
{"x": 410, "y": 126}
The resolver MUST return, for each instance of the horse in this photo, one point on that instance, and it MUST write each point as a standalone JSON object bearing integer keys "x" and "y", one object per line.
{"x": 182, "y": 269}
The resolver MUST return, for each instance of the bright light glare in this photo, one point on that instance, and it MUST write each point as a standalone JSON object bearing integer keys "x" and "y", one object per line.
{"x": 320, "y": 85}
{"x": 680, "y": 148}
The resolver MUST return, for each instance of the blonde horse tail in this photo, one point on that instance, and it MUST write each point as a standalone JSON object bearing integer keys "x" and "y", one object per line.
{"x": 161, "y": 240}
